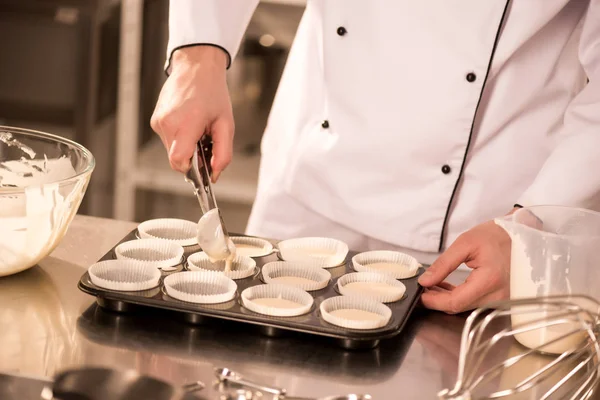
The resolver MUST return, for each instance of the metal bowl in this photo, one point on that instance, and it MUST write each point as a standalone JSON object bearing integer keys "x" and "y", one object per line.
{"x": 43, "y": 179}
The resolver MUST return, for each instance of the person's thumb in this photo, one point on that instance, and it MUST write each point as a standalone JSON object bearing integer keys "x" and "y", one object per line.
{"x": 446, "y": 263}
{"x": 183, "y": 147}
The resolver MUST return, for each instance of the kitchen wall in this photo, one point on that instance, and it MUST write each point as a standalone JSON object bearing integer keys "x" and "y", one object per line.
{"x": 62, "y": 77}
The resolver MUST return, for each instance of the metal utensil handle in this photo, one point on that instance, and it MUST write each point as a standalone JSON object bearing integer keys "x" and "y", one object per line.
{"x": 246, "y": 384}
{"x": 229, "y": 377}
{"x": 205, "y": 170}
{"x": 206, "y": 152}
{"x": 205, "y": 146}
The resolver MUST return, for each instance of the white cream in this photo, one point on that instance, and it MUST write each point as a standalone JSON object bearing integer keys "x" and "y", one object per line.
{"x": 354, "y": 314}
{"x": 248, "y": 250}
{"x": 8, "y": 139}
{"x": 307, "y": 253}
{"x": 522, "y": 285}
{"x": 23, "y": 173}
{"x": 372, "y": 289}
{"x": 276, "y": 302}
{"x": 32, "y": 223}
{"x": 293, "y": 280}
{"x": 388, "y": 267}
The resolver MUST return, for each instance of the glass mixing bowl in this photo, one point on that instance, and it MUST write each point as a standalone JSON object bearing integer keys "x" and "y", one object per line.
{"x": 43, "y": 179}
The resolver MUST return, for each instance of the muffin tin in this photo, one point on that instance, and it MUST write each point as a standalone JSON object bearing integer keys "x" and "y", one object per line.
{"x": 311, "y": 323}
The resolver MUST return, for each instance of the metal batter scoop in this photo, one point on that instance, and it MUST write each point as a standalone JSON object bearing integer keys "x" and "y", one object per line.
{"x": 566, "y": 326}
{"x": 199, "y": 177}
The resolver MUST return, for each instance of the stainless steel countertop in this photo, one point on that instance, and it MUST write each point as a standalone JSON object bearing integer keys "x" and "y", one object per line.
{"x": 47, "y": 324}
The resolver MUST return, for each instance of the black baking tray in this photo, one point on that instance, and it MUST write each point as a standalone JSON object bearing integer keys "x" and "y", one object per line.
{"x": 310, "y": 323}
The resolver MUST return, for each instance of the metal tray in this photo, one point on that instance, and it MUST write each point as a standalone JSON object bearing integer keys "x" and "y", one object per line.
{"x": 233, "y": 310}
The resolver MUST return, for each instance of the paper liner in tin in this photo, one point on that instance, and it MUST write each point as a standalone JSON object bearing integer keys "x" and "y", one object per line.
{"x": 384, "y": 289}
{"x": 332, "y": 304}
{"x": 178, "y": 231}
{"x": 241, "y": 267}
{"x": 321, "y": 252}
{"x": 156, "y": 252}
{"x": 407, "y": 266}
{"x": 274, "y": 291}
{"x": 202, "y": 287}
{"x": 318, "y": 278}
{"x": 124, "y": 275}
{"x": 251, "y": 246}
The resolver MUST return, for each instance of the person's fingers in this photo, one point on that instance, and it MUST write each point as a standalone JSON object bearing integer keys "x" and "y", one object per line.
{"x": 155, "y": 125}
{"x": 447, "y": 262}
{"x": 154, "y": 122}
{"x": 438, "y": 289}
{"x": 479, "y": 285}
{"x": 165, "y": 124}
{"x": 446, "y": 285}
{"x": 163, "y": 140}
{"x": 443, "y": 300}
{"x": 183, "y": 146}
{"x": 222, "y": 132}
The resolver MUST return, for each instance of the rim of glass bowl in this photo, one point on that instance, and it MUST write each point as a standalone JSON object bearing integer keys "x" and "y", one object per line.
{"x": 39, "y": 134}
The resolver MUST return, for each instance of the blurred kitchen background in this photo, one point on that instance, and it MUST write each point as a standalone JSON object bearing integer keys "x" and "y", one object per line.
{"x": 91, "y": 71}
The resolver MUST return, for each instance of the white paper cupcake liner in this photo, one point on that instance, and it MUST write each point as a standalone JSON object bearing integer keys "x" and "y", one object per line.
{"x": 408, "y": 266}
{"x": 333, "y": 304}
{"x": 124, "y": 275}
{"x": 321, "y": 252}
{"x": 318, "y": 278}
{"x": 178, "y": 231}
{"x": 273, "y": 291}
{"x": 391, "y": 292}
{"x": 202, "y": 287}
{"x": 251, "y": 247}
{"x": 156, "y": 252}
{"x": 241, "y": 267}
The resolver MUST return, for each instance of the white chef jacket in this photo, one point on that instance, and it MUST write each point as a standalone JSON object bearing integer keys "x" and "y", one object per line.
{"x": 412, "y": 121}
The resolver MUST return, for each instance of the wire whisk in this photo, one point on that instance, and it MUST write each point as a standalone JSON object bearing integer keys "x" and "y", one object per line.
{"x": 539, "y": 348}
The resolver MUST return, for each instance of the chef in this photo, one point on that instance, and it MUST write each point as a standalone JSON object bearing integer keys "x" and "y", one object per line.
{"x": 405, "y": 125}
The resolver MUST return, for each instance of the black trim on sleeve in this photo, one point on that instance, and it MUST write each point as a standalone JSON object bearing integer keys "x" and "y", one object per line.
{"x": 462, "y": 167}
{"x": 196, "y": 44}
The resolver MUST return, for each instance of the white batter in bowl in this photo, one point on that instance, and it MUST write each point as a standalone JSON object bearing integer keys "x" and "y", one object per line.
{"x": 43, "y": 179}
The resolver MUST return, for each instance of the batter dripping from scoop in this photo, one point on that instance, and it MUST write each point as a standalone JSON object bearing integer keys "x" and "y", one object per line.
{"x": 213, "y": 241}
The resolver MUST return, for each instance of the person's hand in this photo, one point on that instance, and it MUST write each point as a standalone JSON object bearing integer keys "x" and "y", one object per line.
{"x": 195, "y": 100}
{"x": 486, "y": 250}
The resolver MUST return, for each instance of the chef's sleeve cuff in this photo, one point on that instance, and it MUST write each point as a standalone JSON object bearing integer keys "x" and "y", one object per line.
{"x": 219, "y": 23}
{"x": 170, "y": 54}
